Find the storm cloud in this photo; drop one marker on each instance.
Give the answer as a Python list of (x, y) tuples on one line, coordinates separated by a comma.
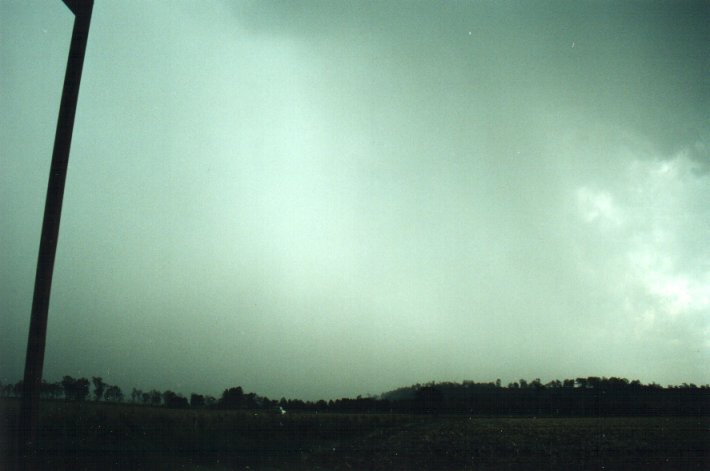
[(318, 199)]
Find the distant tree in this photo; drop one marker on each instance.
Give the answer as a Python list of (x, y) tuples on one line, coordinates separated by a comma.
[(168, 396), (295, 404), (232, 398), (174, 401), (594, 382), (145, 397), (114, 394), (179, 402), (155, 397), (99, 388), (197, 401), (75, 389), (267, 403), (69, 386), (617, 383), (523, 384), (251, 401)]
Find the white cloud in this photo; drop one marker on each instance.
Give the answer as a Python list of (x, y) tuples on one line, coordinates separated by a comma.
[(641, 224), (598, 207), (667, 267)]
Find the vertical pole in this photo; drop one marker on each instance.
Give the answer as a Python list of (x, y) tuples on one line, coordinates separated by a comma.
[(29, 409)]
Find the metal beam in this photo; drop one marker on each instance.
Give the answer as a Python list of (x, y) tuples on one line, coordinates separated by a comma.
[(34, 361)]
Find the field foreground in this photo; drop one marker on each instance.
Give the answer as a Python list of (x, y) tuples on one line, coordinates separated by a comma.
[(88, 436)]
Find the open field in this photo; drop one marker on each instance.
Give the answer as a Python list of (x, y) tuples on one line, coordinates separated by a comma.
[(105, 436)]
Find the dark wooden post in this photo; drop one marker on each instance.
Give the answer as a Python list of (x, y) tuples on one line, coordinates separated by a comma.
[(34, 361)]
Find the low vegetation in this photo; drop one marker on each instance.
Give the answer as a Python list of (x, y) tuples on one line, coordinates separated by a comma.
[(88, 435)]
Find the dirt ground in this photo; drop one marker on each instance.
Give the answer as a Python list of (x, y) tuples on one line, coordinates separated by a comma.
[(96, 437)]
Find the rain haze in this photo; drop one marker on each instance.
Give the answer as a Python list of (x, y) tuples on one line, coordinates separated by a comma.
[(324, 199)]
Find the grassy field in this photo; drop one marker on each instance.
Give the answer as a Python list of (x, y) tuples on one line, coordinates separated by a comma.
[(77, 436)]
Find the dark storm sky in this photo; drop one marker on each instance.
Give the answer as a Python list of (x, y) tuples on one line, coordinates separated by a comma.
[(318, 199)]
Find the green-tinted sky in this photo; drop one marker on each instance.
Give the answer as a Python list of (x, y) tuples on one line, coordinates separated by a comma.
[(319, 199)]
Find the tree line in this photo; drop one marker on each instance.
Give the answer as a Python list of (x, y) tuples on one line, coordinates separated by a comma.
[(70, 389), (588, 396)]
